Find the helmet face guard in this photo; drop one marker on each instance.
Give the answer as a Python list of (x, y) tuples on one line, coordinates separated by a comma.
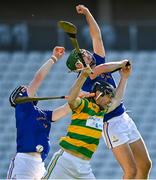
[(105, 88), (75, 57), (93, 60)]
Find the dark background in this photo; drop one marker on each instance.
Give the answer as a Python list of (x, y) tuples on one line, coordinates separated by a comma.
[(125, 25)]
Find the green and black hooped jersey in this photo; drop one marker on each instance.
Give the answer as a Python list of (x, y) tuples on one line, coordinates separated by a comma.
[(85, 130)]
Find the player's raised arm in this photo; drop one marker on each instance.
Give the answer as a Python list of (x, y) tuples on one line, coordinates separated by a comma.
[(43, 71), (97, 43), (94, 29), (73, 99), (61, 112), (108, 67), (120, 91)]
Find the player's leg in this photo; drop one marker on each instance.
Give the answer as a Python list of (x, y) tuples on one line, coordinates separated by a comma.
[(25, 165), (59, 171), (54, 169), (139, 150), (72, 167), (125, 158), (59, 167), (142, 159), (66, 166), (116, 136)]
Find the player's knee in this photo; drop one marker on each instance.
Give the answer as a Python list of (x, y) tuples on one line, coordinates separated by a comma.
[(143, 170), (130, 172), (146, 166)]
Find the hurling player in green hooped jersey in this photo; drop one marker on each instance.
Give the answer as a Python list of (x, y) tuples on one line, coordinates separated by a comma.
[(119, 131), (85, 130)]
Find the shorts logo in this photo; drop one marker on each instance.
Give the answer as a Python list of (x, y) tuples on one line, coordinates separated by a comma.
[(114, 139)]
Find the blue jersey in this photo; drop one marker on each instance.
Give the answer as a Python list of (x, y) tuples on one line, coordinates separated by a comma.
[(33, 127), (107, 77)]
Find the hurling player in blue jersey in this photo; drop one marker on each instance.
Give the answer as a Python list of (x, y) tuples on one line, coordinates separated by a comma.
[(119, 132), (33, 126)]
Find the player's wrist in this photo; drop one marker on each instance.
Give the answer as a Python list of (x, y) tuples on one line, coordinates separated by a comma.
[(87, 12), (53, 59), (84, 74), (124, 78)]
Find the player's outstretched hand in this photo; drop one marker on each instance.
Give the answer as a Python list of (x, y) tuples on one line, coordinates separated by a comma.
[(58, 52), (81, 9)]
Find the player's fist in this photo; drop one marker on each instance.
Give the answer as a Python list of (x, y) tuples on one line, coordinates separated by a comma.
[(81, 9), (87, 71), (125, 62), (126, 71), (58, 51)]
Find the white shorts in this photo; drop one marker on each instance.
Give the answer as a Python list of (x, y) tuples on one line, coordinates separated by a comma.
[(25, 166), (120, 130), (66, 166)]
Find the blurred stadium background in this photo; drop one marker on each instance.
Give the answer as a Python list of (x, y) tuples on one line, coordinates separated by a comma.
[(28, 32)]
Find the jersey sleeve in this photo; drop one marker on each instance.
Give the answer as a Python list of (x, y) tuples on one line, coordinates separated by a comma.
[(99, 59), (81, 107)]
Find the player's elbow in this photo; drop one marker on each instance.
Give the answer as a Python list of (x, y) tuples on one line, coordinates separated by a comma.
[(71, 101), (96, 34)]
